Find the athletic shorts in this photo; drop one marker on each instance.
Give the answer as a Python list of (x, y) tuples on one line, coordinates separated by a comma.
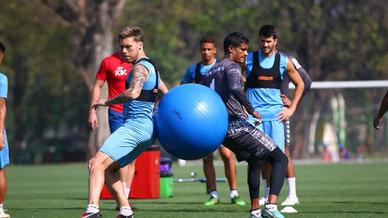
[(273, 129), (129, 141), (4, 153), (246, 140), (116, 119), (287, 132)]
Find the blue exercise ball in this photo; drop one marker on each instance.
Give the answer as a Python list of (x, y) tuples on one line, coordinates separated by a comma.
[(191, 121)]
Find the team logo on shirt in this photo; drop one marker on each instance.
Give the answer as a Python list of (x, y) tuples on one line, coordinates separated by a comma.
[(265, 78), (120, 71)]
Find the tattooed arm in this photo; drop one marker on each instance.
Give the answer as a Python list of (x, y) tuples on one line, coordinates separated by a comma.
[(140, 75)]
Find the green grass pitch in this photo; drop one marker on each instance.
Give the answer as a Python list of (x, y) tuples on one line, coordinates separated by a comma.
[(324, 190)]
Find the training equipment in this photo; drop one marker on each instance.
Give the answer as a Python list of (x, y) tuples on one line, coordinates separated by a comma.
[(289, 209), (290, 202), (191, 121), (193, 178)]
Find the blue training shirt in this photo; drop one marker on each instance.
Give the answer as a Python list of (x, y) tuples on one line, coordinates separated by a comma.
[(3, 86), (266, 101), (190, 72), (140, 110)]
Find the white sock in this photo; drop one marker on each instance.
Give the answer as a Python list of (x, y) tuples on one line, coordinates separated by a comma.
[(92, 208), (291, 187), (233, 193), (214, 194), (271, 207), (1, 208), (256, 213), (126, 211)]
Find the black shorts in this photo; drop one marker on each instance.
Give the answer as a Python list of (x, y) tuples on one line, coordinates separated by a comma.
[(287, 132), (245, 140)]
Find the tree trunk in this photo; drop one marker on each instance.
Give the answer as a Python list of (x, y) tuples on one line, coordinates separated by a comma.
[(93, 23)]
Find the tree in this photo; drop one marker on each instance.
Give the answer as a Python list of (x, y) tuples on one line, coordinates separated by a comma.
[(92, 24)]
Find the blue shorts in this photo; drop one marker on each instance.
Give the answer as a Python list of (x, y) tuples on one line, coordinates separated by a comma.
[(273, 129), (116, 119), (129, 141), (4, 154)]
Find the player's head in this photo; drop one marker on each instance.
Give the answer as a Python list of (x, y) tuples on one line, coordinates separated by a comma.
[(208, 48), (267, 39), (131, 43), (2, 50), (236, 47)]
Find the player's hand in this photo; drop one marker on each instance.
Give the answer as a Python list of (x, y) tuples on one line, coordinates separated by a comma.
[(93, 121), (258, 118), (286, 101), (285, 114), (100, 102), (377, 122)]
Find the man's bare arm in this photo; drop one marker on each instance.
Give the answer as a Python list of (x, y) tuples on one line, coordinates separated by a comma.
[(140, 75)]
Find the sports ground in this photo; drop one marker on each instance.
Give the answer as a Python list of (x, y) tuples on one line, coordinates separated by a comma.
[(350, 189)]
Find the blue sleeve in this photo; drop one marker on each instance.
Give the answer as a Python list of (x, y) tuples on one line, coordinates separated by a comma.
[(3, 86), (283, 65), (189, 74), (249, 63)]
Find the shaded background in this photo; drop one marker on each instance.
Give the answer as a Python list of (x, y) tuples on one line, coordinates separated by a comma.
[(54, 49)]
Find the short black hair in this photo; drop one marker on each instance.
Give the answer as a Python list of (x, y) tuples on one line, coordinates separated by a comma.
[(2, 47), (207, 39), (234, 39), (268, 31)]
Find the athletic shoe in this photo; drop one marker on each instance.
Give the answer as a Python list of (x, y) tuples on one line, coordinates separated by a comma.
[(290, 201), (91, 215), (271, 214), (255, 214), (289, 209), (134, 209), (212, 201), (237, 201), (4, 215)]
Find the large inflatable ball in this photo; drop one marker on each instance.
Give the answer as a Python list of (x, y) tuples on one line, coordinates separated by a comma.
[(191, 121)]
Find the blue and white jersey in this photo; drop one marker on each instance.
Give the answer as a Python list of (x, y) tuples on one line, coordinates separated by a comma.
[(3, 86), (266, 101), (4, 154), (137, 110), (189, 76)]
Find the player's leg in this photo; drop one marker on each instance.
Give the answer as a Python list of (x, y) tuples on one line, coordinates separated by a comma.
[(230, 173), (276, 159), (115, 121), (97, 166), (292, 198), (254, 186), (3, 190), (210, 174), (4, 161), (250, 144), (279, 162), (131, 175)]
